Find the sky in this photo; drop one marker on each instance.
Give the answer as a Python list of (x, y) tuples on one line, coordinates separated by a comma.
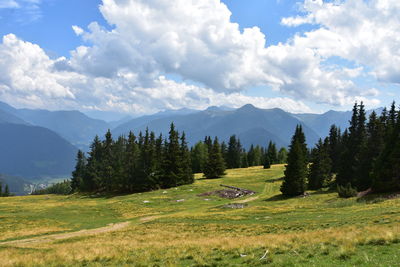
[(143, 56)]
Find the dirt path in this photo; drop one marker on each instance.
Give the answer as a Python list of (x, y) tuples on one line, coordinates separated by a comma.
[(50, 238)]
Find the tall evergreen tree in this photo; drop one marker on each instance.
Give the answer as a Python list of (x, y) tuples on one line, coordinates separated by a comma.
[(267, 163), (79, 173), (199, 154), (234, 153), (282, 155), (353, 145), (187, 172), (335, 147), (372, 150), (294, 182), (215, 166), (320, 170), (386, 175), (6, 191), (272, 153), (172, 160)]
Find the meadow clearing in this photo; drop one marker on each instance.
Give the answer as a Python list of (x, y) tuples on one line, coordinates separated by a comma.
[(176, 227)]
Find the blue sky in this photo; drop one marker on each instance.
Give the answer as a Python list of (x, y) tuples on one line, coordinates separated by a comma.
[(308, 63)]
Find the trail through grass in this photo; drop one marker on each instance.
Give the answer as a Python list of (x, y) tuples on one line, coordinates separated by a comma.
[(176, 227)]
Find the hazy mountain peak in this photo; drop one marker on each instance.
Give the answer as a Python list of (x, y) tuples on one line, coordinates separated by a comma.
[(247, 107)]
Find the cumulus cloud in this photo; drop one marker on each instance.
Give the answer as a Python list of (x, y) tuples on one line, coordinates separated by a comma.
[(364, 32), (125, 68), (9, 4), (197, 41), (26, 72), (28, 77)]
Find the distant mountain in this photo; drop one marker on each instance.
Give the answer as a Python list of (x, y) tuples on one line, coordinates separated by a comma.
[(6, 117), (17, 185), (321, 123), (31, 151), (74, 126), (251, 124)]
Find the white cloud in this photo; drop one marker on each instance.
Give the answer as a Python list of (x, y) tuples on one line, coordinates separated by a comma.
[(125, 68), (28, 77), (26, 71), (78, 30), (364, 32), (197, 41), (9, 4)]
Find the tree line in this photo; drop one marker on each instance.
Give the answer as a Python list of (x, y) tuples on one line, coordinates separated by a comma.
[(366, 156), (143, 163), (6, 192)]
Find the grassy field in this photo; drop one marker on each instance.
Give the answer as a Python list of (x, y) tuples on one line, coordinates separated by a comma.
[(175, 227)]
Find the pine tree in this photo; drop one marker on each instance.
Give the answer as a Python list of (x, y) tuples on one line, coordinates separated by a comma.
[(172, 166), (91, 180), (199, 154), (272, 152), (282, 155), (267, 163), (386, 175), (1, 190), (187, 172), (294, 182), (131, 163), (234, 153), (244, 163), (251, 156), (335, 147), (79, 173), (374, 147), (350, 164), (320, 170), (215, 166), (106, 169), (6, 191)]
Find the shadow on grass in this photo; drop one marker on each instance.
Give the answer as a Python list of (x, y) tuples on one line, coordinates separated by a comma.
[(104, 195), (323, 191), (278, 198), (274, 180), (378, 197)]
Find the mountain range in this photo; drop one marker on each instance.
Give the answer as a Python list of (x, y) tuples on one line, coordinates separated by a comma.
[(41, 143)]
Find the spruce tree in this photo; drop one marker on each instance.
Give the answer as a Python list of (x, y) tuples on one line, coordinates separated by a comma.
[(172, 159), (372, 150), (91, 180), (1, 190), (79, 173), (320, 170), (294, 182), (272, 153), (244, 163), (187, 172), (335, 147), (131, 163), (386, 175), (215, 166), (199, 154), (267, 163), (234, 153), (282, 155), (350, 164), (6, 191)]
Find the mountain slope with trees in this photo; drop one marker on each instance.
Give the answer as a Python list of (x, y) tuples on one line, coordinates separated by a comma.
[(30, 151)]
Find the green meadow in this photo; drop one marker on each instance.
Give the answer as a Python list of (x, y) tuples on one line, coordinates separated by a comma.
[(176, 227)]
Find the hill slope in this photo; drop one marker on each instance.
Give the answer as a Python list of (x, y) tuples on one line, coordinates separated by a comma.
[(30, 151), (181, 227), (74, 126)]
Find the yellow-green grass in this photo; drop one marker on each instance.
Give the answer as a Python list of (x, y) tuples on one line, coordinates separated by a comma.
[(319, 230)]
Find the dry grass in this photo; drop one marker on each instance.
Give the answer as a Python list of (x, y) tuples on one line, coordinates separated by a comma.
[(320, 230)]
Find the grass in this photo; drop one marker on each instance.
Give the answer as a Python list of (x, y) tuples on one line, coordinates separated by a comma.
[(319, 230)]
